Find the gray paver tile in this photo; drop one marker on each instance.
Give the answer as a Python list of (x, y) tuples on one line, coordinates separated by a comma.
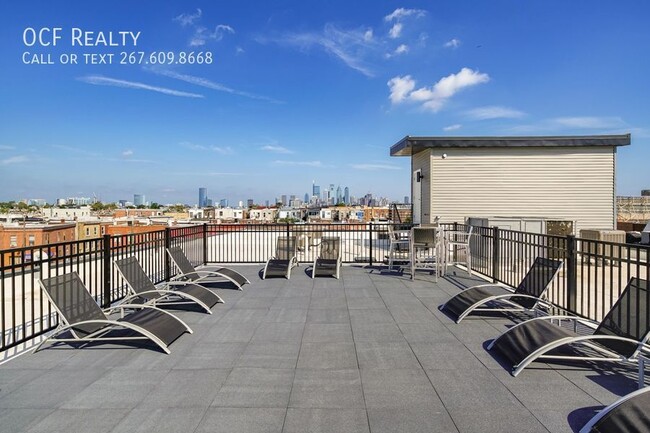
[(411, 420), (242, 420), (327, 356), (255, 387), (385, 355), (186, 388), (326, 421), (327, 389), (270, 355), (167, 420)]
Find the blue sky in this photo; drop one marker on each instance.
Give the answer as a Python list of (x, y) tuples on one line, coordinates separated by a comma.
[(301, 91)]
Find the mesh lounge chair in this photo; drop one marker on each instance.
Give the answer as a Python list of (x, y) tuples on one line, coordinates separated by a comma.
[(629, 414), (328, 261), (202, 276), (284, 260), (174, 293), (620, 337), (525, 297), (86, 321)]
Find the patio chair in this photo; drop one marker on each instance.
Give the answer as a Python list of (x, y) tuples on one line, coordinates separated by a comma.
[(284, 260), (173, 293), (620, 337), (86, 321), (426, 248), (398, 245), (328, 261), (189, 273), (525, 297), (629, 414), (459, 242)]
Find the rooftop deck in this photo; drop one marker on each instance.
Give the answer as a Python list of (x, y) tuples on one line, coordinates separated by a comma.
[(367, 353)]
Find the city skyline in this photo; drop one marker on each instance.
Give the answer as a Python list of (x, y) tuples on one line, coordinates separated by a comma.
[(300, 91)]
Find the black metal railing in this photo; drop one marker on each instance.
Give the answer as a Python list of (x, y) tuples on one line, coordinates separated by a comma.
[(592, 278)]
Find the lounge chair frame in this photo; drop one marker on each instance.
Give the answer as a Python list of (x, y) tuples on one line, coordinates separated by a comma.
[(638, 355), (161, 296), (319, 260), (291, 256), (201, 276), (505, 298), (609, 409), (64, 325)]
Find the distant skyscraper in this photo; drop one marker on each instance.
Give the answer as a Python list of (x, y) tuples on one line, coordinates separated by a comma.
[(223, 202), (306, 197), (315, 190), (406, 199), (138, 199), (346, 196), (266, 203), (284, 200), (203, 197), (208, 202), (332, 197), (339, 195), (249, 202)]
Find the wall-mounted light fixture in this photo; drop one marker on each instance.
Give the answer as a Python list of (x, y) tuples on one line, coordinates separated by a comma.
[(419, 176), (444, 156)]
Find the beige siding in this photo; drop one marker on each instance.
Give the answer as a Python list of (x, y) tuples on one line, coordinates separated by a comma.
[(574, 183)]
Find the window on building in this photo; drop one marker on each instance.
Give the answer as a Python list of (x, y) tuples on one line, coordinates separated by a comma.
[(87, 231), (32, 240), (13, 241)]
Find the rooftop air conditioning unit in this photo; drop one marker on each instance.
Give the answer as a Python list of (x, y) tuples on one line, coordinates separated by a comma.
[(598, 245)]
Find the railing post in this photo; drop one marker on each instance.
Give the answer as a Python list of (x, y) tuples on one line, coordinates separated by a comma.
[(205, 243), (168, 244), (455, 255), (571, 274), (106, 278), (371, 252), (496, 254)]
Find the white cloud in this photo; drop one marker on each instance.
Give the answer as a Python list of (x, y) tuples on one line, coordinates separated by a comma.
[(239, 50), (374, 167), (400, 13), (127, 153), (13, 160), (275, 149), (204, 82), (400, 87), (402, 49), (368, 35), (222, 150), (395, 31), (611, 124), (589, 122), (454, 127), (349, 46), (202, 34), (193, 146), (3, 147), (454, 43), (435, 97), (99, 80), (187, 19), (299, 163), (494, 112)]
